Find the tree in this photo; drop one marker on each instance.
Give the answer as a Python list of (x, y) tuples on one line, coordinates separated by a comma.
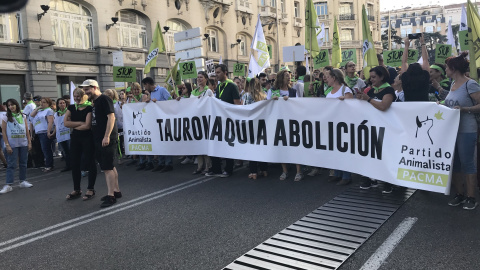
[(393, 36), (455, 29), (430, 40)]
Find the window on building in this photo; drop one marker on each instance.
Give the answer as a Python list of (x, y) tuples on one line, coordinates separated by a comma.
[(439, 19), (449, 18), (296, 6), (417, 22), (418, 30), (346, 34), (10, 28), (12, 86), (262, 2), (282, 6), (429, 29), (212, 40), (346, 8), (273, 3), (439, 28), (369, 10), (403, 33), (321, 8), (242, 48), (131, 30), (71, 25), (174, 27), (327, 35)]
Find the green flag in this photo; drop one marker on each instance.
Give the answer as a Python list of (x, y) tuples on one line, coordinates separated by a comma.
[(311, 44), (158, 46), (473, 22), (336, 50), (369, 55)]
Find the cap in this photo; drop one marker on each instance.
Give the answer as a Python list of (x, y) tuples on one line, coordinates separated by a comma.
[(89, 82), (285, 68), (27, 95), (37, 98)]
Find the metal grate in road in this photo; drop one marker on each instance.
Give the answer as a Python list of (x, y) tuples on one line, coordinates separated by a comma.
[(325, 238)]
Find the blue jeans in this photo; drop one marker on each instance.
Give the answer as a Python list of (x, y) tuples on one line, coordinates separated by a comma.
[(345, 175), (145, 159), (20, 153), (165, 160), (464, 157), (46, 144)]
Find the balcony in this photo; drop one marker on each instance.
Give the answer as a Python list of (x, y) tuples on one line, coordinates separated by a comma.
[(346, 17), (323, 17), (285, 18), (298, 22), (244, 3), (268, 11), (351, 43), (371, 18)]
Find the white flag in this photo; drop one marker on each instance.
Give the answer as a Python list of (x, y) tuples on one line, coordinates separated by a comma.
[(321, 34), (220, 61), (253, 67), (307, 64), (420, 61), (72, 88), (451, 39), (463, 20), (259, 43)]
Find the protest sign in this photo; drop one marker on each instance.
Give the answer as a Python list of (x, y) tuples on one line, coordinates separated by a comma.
[(349, 55), (210, 67), (188, 70), (321, 60), (442, 52), (124, 74), (239, 69), (463, 40), (393, 58), (405, 145)]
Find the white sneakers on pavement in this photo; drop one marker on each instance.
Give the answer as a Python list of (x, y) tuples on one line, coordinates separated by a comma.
[(25, 184), (6, 189)]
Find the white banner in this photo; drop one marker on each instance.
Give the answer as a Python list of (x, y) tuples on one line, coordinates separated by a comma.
[(411, 144)]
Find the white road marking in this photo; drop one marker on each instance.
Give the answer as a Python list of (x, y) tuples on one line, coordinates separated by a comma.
[(100, 214), (382, 253)]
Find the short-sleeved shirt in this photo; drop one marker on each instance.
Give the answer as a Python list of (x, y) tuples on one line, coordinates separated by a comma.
[(341, 92), (29, 109), (102, 107), (160, 94), (40, 121), (379, 96), (79, 116), (461, 97), (227, 92)]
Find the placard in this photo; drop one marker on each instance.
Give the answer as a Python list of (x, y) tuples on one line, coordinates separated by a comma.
[(463, 40), (349, 55), (442, 52), (293, 53), (188, 70), (210, 67), (239, 69), (393, 58), (321, 60), (124, 74)]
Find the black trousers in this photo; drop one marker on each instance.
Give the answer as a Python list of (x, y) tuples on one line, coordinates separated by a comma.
[(255, 165), (37, 153), (83, 146), (217, 165)]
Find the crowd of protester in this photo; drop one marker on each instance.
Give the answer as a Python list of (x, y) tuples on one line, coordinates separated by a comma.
[(43, 122)]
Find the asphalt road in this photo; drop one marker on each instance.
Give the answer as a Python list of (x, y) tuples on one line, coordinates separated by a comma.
[(179, 221)]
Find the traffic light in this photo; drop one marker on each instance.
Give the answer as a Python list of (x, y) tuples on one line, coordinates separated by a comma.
[(7, 6)]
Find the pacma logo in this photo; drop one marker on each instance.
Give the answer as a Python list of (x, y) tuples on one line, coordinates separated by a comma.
[(424, 126)]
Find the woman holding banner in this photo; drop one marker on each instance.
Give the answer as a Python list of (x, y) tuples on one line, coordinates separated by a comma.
[(351, 78), (340, 91), (202, 80), (380, 96), (78, 117), (464, 95)]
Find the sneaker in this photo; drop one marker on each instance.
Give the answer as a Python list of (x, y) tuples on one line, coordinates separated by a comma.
[(117, 195), (181, 157), (283, 176), (149, 167), (344, 182), (109, 201), (84, 173), (387, 188), (314, 172), (212, 174), (167, 169), (141, 167), (25, 184), (331, 173), (6, 189), (459, 199), (195, 161), (187, 160), (373, 183), (366, 184), (158, 168), (470, 204), (224, 175), (298, 177)]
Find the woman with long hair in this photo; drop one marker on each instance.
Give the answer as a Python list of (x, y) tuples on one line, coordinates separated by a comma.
[(43, 126), (255, 93), (79, 117), (17, 144), (62, 133), (464, 96), (202, 81)]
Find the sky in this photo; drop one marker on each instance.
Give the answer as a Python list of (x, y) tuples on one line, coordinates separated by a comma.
[(392, 4)]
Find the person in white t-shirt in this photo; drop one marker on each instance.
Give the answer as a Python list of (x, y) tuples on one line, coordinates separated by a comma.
[(340, 90)]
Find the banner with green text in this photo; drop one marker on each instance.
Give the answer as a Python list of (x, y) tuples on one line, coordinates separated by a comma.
[(405, 145), (393, 58)]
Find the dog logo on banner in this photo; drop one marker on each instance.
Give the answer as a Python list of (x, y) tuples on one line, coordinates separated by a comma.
[(138, 117), (423, 127)]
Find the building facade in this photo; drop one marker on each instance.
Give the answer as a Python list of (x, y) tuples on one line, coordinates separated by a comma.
[(74, 40)]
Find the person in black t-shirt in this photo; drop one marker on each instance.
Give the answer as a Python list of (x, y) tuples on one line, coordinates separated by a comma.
[(381, 96), (105, 136)]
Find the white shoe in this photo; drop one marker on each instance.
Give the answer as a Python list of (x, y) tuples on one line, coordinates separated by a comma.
[(25, 184), (186, 161), (195, 161), (5, 189), (314, 172)]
